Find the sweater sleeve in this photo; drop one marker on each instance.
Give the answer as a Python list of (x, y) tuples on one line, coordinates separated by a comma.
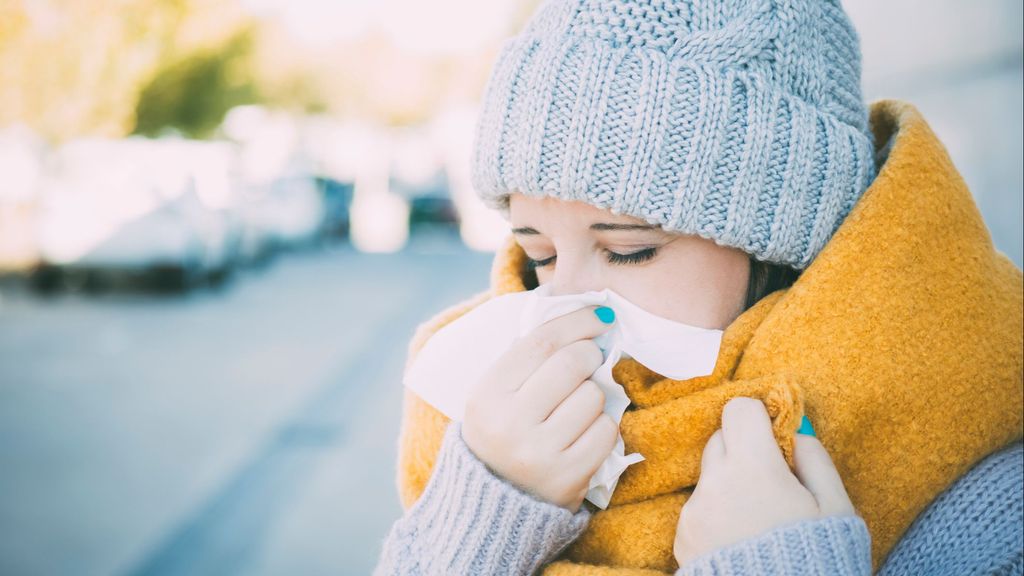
[(469, 521), (838, 546), (974, 527)]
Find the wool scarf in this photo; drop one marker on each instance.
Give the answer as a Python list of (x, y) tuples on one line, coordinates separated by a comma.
[(901, 341)]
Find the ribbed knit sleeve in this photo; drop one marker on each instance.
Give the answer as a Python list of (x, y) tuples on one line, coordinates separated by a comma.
[(837, 546), (974, 527), (469, 521)]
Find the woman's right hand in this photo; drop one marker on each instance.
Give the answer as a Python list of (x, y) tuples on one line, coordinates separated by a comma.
[(536, 420)]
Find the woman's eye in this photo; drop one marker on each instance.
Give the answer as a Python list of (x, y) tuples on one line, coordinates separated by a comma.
[(532, 264), (613, 257), (633, 257)]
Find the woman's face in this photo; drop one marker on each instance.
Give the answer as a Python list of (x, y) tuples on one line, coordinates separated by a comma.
[(577, 247)]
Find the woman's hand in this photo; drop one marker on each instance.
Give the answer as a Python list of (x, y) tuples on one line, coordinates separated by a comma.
[(746, 487), (536, 420)]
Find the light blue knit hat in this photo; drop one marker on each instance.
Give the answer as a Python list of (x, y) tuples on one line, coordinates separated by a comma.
[(741, 121)]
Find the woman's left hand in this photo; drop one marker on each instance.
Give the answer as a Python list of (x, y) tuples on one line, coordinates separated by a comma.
[(746, 488)]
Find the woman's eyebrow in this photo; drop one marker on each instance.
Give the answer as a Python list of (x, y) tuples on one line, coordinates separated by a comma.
[(525, 230), (600, 226), (611, 226)]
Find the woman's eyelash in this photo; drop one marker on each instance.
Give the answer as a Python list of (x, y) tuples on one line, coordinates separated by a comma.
[(613, 258), (633, 257), (531, 263)]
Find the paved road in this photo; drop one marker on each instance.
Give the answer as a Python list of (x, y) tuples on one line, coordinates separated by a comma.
[(250, 431)]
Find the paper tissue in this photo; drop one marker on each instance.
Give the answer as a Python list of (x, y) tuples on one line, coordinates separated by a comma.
[(476, 340)]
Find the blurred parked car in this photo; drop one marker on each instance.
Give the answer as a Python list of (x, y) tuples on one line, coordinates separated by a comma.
[(417, 173), (135, 210), (21, 155), (337, 198), (285, 213), (284, 205), (430, 200)]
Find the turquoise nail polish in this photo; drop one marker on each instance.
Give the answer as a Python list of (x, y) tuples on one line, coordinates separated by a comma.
[(606, 314), (806, 428)]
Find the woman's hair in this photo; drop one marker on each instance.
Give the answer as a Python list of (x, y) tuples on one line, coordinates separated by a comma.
[(767, 277)]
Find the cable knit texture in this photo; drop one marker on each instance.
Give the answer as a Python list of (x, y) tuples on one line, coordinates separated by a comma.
[(469, 521), (741, 121)]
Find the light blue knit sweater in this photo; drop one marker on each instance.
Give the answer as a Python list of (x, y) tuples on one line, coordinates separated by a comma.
[(469, 521)]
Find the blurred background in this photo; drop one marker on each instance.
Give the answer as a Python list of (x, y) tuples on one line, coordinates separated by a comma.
[(220, 221)]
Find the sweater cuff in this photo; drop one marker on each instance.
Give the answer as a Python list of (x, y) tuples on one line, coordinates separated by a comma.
[(470, 521), (838, 545)]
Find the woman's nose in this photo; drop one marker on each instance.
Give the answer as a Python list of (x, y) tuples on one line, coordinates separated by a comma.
[(573, 277)]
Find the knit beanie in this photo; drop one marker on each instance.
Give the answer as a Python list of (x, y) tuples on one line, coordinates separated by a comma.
[(741, 121)]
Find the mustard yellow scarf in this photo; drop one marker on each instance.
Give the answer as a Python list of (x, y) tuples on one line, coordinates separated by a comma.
[(902, 342)]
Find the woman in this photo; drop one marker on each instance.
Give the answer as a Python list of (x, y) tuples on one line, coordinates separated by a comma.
[(715, 164)]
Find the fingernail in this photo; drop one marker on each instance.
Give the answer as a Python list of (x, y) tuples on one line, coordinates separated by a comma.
[(605, 314), (806, 428)]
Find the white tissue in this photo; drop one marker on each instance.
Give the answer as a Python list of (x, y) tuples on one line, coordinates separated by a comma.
[(456, 357)]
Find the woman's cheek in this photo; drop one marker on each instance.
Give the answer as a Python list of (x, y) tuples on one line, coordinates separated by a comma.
[(543, 275), (646, 286), (659, 293)]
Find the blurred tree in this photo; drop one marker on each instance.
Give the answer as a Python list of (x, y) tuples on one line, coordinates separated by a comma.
[(71, 68), (191, 95)]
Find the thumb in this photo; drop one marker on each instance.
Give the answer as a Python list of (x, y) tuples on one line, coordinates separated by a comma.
[(815, 470)]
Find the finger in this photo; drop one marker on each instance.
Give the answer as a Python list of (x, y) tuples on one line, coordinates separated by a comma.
[(558, 377), (815, 470), (714, 453), (527, 353), (594, 445), (747, 430), (574, 415)]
